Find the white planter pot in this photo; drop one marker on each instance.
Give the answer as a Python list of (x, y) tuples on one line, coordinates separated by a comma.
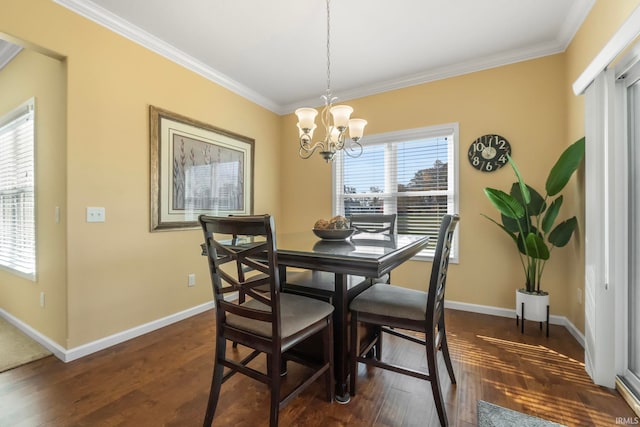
[(535, 305)]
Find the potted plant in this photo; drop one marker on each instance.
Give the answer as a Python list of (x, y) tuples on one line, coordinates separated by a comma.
[(529, 218)]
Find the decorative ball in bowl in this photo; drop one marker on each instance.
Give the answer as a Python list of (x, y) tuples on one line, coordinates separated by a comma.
[(333, 234), (337, 228)]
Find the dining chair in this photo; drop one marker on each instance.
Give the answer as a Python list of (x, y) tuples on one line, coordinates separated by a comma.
[(387, 306), (272, 323), (373, 223)]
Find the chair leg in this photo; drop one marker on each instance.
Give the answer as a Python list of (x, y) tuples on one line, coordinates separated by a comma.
[(432, 363), (216, 381), (447, 359), (354, 353), (378, 344), (327, 342), (274, 373)]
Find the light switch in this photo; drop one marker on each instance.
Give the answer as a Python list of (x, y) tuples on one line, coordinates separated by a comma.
[(95, 215)]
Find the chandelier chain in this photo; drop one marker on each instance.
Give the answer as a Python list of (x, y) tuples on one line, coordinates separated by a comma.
[(335, 120), (328, 52)]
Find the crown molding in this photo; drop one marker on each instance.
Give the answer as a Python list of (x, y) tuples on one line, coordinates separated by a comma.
[(625, 35), (126, 29), (468, 67), (576, 17), (107, 19), (8, 51)]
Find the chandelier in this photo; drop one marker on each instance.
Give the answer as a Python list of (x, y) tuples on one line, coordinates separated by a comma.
[(335, 121)]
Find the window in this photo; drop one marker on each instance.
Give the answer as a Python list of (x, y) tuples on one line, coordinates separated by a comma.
[(410, 173), (17, 199)]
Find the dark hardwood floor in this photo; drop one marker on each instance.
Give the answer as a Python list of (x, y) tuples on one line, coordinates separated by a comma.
[(162, 379)]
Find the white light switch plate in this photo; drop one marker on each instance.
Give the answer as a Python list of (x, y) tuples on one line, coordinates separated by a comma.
[(95, 215)]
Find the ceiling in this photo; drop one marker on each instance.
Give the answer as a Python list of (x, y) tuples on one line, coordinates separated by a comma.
[(274, 52)]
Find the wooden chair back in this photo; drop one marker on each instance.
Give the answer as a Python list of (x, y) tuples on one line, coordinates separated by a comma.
[(374, 223), (440, 266), (244, 241)]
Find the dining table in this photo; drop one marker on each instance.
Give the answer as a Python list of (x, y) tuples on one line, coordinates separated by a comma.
[(337, 271)]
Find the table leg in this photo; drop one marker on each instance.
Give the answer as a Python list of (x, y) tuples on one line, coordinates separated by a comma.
[(282, 272), (341, 338)]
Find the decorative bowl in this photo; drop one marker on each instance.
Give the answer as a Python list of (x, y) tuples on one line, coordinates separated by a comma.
[(333, 234)]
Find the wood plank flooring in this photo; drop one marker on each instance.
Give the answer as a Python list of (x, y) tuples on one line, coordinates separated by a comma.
[(162, 379)]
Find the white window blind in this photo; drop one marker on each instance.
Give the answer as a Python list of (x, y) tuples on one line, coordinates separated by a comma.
[(17, 198), (411, 173)]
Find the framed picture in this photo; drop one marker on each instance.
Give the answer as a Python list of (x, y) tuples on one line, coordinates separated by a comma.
[(196, 169)]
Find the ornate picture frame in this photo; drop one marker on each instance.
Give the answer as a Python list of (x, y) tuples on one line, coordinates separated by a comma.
[(196, 168)]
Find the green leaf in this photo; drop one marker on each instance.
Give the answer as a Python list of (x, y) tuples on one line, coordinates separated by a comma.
[(552, 213), (536, 247), (521, 244), (516, 225), (536, 203), (524, 190), (561, 235), (512, 235), (506, 204), (566, 165)]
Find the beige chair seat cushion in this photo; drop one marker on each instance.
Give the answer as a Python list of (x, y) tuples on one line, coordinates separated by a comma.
[(382, 279), (296, 313), (392, 301)]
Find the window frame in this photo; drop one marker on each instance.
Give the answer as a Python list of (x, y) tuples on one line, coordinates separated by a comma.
[(26, 108), (407, 135)]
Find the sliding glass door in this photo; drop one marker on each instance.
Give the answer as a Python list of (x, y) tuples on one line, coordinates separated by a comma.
[(632, 374)]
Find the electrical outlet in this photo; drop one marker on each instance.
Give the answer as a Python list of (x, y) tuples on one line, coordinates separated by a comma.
[(42, 299), (579, 296), (191, 281), (95, 215)]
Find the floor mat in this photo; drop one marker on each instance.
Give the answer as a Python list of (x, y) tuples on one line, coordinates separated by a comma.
[(16, 348)]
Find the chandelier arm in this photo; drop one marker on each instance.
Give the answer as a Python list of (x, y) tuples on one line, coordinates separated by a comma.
[(349, 149), (307, 147), (305, 154)]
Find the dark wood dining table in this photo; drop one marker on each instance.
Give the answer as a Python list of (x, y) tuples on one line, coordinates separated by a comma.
[(337, 271)]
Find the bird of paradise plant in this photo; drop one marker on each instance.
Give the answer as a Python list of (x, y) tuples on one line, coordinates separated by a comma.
[(528, 218)]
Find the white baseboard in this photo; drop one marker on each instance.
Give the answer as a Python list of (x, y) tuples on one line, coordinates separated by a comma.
[(505, 312), (68, 355), (43, 340), (106, 342)]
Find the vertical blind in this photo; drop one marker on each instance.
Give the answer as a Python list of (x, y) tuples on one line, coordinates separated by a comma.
[(413, 179), (17, 199)]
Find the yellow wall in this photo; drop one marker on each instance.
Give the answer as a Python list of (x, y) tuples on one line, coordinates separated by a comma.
[(601, 24), (32, 74), (118, 275), (529, 103), (524, 103)]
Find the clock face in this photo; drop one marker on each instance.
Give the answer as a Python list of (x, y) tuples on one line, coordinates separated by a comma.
[(489, 153)]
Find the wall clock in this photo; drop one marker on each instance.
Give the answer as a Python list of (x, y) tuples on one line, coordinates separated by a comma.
[(489, 152)]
